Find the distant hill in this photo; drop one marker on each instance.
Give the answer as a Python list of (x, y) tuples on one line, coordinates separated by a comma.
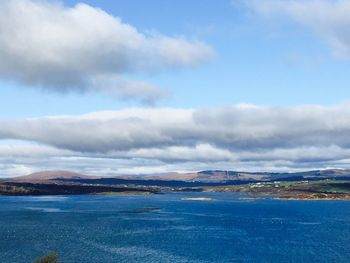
[(50, 175), (209, 177), (218, 175)]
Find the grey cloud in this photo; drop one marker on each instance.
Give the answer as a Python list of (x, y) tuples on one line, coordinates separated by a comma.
[(241, 136), (45, 44), (241, 127), (123, 89)]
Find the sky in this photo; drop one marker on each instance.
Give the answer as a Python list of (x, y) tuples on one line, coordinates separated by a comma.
[(154, 86)]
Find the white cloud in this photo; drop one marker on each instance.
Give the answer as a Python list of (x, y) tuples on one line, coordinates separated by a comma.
[(328, 18), (26, 150), (199, 153), (48, 45), (14, 170), (241, 137)]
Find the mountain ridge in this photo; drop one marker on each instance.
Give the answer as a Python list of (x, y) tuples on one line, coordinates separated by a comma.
[(205, 176)]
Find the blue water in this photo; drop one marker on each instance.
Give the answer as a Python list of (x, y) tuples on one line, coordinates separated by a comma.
[(120, 229)]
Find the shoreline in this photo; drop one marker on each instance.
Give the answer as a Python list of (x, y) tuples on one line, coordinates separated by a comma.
[(321, 190)]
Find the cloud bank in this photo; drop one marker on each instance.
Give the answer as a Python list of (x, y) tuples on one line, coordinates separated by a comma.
[(48, 45), (327, 18), (243, 136)]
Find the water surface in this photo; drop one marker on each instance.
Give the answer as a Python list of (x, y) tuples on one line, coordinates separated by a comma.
[(162, 228)]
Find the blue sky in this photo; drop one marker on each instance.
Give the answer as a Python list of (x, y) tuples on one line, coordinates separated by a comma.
[(256, 61), (161, 85)]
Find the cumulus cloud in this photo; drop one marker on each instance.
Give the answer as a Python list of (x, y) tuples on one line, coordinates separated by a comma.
[(46, 44), (328, 18), (243, 136)]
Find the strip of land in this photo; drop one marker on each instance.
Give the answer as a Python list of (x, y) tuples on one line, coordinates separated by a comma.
[(313, 185), (304, 190), (53, 188)]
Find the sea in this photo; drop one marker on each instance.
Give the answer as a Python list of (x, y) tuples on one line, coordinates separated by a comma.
[(165, 228)]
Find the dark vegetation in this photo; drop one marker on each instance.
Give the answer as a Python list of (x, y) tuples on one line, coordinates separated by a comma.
[(17, 188), (160, 183), (50, 258), (174, 183)]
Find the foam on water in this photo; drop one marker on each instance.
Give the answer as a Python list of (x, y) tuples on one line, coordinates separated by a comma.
[(46, 198), (45, 209)]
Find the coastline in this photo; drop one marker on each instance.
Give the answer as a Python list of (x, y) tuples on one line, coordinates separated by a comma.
[(320, 190)]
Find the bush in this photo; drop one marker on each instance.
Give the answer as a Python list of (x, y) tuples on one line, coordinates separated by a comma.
[(50, 258)]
